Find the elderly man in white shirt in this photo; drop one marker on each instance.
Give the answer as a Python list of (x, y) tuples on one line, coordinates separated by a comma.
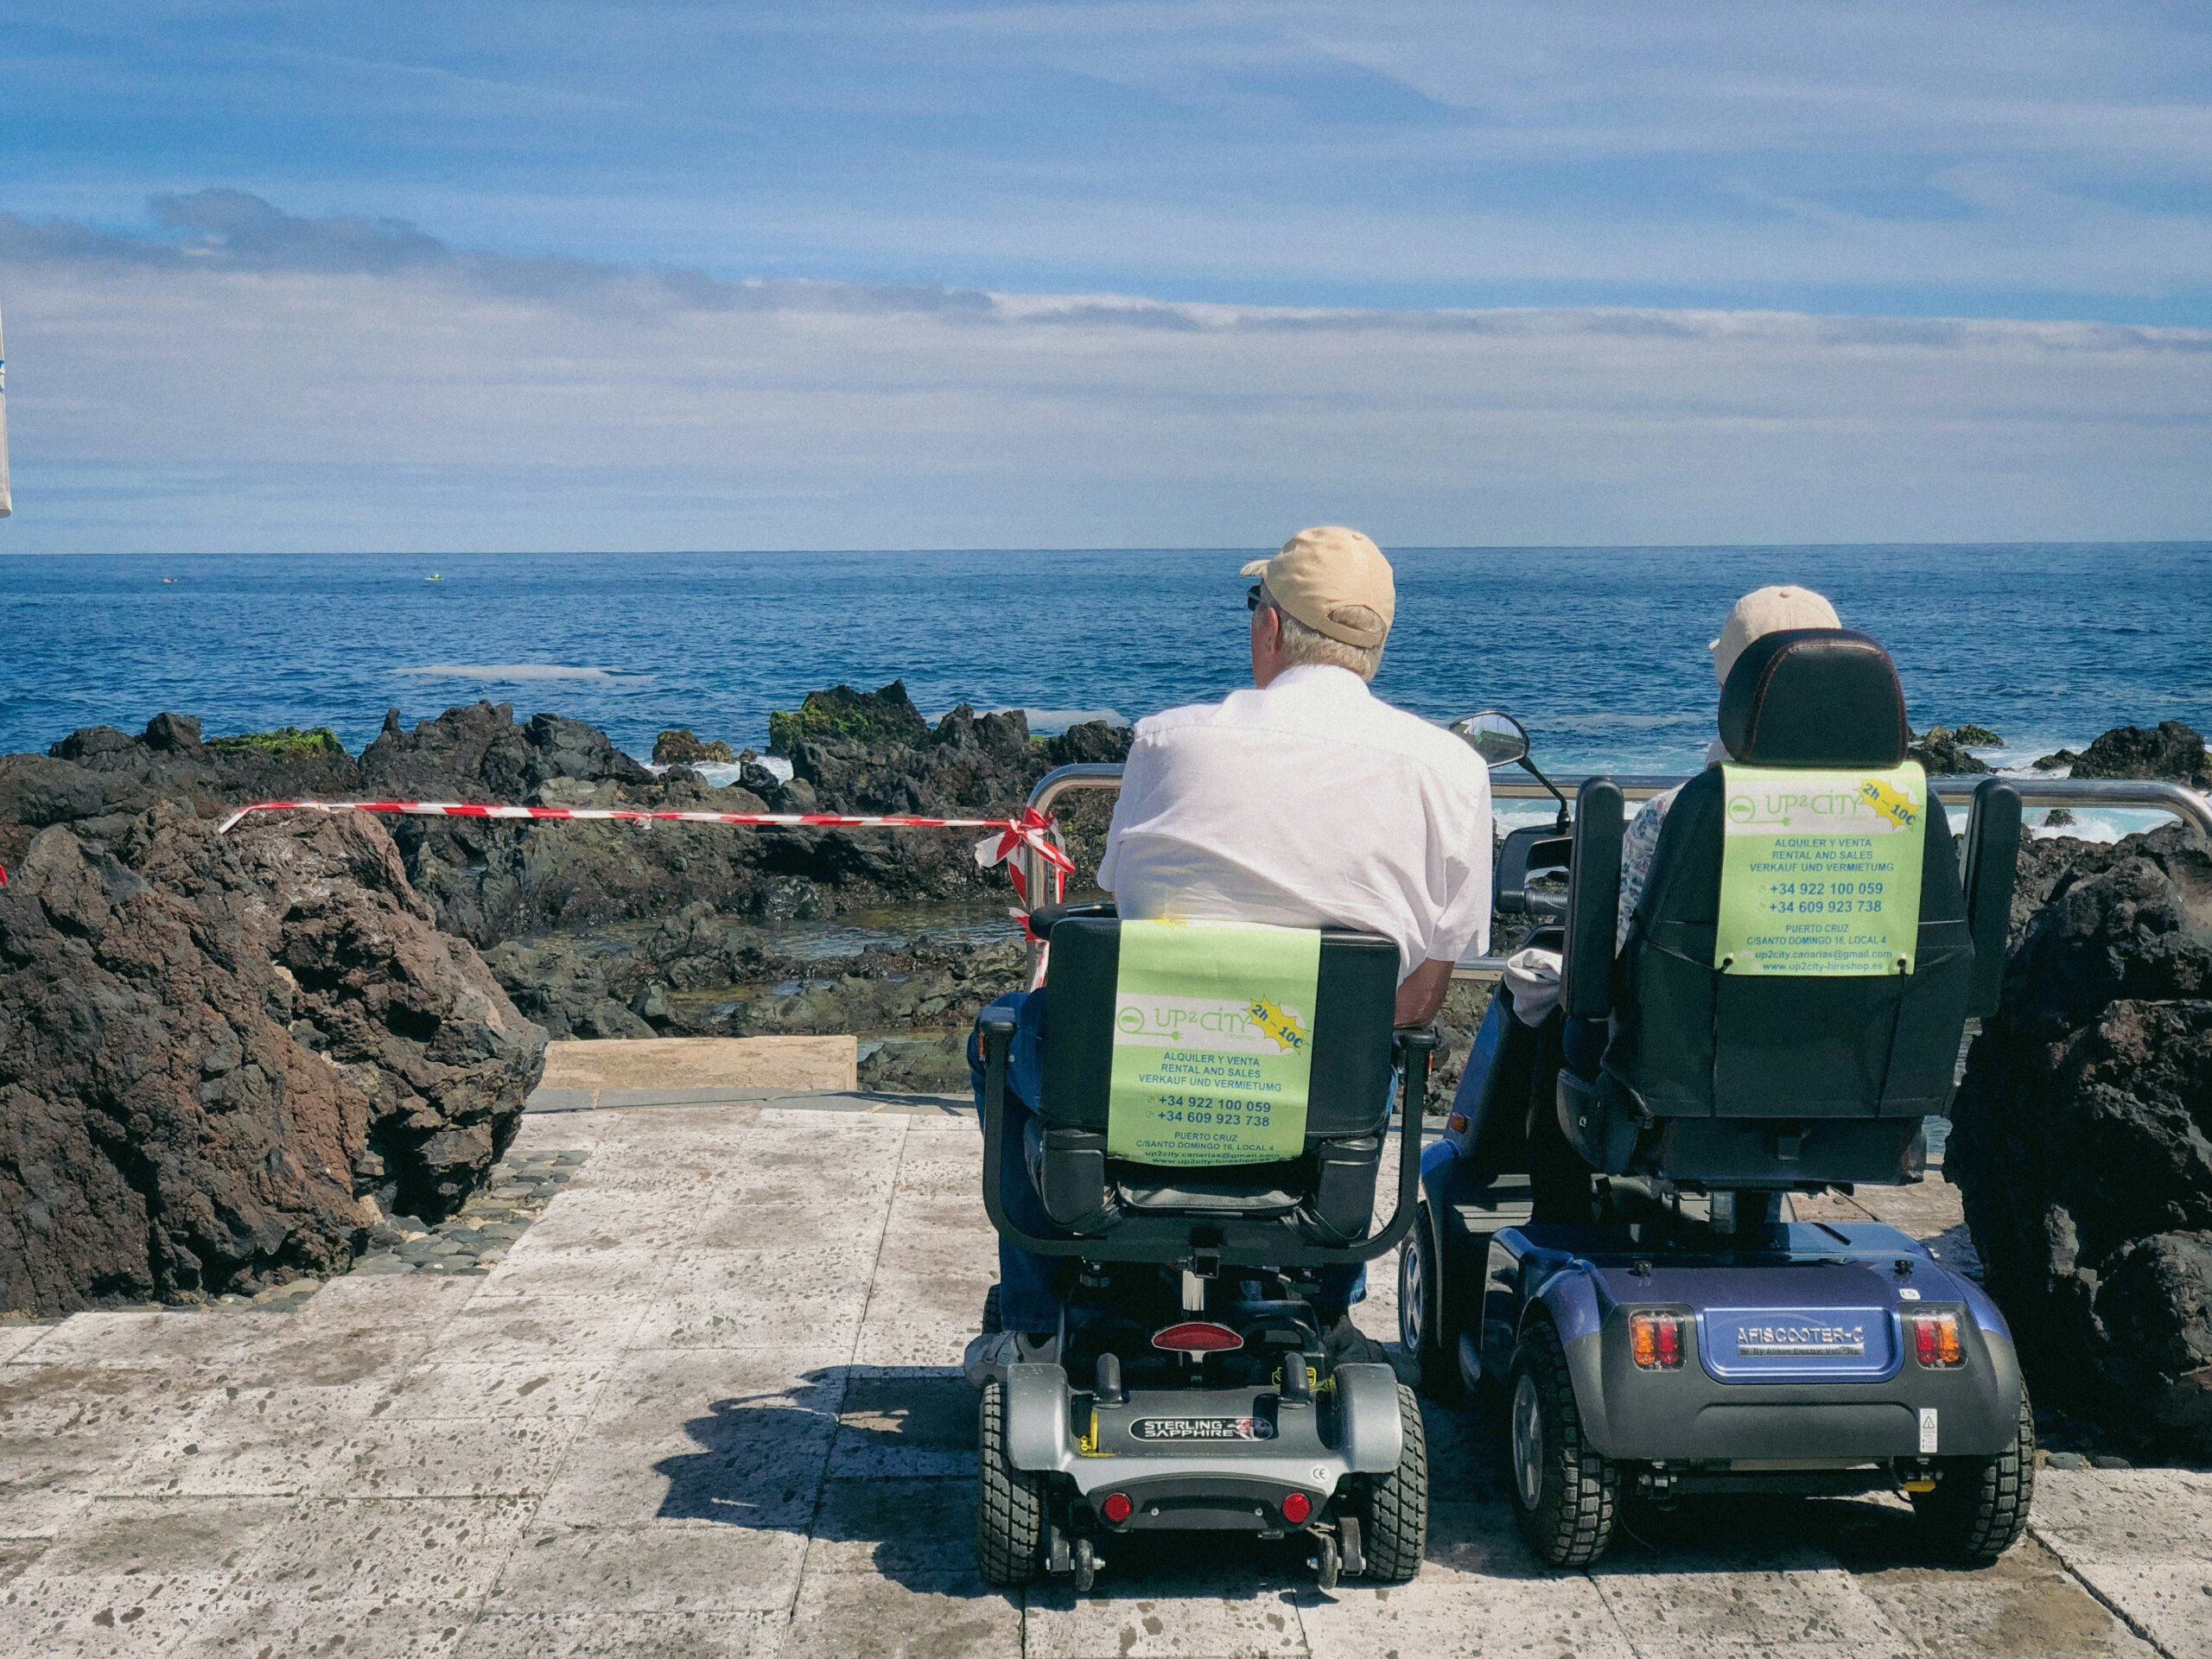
[(1305, 802)]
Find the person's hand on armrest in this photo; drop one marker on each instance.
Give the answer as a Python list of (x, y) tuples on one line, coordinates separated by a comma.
[(1421, 993)]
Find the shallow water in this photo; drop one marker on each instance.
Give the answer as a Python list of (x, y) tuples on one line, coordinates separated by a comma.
[(1601, 650)]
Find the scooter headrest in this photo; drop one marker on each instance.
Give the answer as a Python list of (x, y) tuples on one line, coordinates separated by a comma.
[(1813, 698)]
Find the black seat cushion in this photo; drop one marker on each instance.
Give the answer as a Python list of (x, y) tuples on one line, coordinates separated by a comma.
[(1691, 1041), (1325, 1197)]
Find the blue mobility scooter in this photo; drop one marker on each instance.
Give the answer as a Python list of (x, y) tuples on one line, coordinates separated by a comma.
[(1607, 1233), (1194, 1387)]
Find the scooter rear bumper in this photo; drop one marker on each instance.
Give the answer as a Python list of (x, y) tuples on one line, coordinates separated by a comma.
[(1183, 1443)]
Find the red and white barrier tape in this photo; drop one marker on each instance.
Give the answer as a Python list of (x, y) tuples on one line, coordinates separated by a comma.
[(1032, 830)]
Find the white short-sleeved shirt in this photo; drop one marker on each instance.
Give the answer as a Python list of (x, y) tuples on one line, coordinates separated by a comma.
[(1311, 803)]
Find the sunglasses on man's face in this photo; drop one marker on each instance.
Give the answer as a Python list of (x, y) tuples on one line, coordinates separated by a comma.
[(1252, 599)]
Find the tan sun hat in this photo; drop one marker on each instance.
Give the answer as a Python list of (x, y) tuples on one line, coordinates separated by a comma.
[(1323, 575), (1765, 611)]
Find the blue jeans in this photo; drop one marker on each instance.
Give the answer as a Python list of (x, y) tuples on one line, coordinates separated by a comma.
[(1032, 1287)]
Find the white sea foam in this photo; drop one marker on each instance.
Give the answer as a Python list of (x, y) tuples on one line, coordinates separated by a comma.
[(517, 671), (722, 773)]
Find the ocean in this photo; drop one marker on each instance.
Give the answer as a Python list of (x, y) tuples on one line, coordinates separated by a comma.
[(1600, 650)]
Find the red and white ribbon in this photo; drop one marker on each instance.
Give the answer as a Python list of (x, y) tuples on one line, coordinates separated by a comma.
[(1032, 830)]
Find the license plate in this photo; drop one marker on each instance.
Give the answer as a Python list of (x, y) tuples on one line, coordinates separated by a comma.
[(1800, 1341), (1747, 1344), (1202, 1428)]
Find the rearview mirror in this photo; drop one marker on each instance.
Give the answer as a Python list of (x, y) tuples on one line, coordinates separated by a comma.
[(1495, 735)]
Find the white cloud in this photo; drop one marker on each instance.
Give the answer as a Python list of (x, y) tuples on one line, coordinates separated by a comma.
[(255, 379)]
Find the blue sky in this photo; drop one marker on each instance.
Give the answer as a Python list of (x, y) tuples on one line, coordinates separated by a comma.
[(617, 175)]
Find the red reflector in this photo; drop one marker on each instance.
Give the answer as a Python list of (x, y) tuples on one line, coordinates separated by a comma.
[(1296, 1508), (1655, 1341), (1196, 1337), (1116, 1507), (1936, 1340)]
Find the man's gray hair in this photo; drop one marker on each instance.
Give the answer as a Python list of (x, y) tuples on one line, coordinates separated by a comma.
[(1311, 647)]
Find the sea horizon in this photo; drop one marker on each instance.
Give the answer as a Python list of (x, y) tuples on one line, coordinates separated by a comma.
[(1601, 650)]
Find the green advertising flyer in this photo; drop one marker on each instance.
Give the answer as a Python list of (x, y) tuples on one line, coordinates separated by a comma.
[(1820, 871), (1213, 1042)]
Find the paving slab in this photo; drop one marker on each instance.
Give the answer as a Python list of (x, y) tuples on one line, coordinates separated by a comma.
[(942, 1613), (640, 1064), (708, 1404), (437, 1553)]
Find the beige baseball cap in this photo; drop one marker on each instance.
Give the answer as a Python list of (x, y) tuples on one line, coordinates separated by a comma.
[(1322, 574), (1765, 611)]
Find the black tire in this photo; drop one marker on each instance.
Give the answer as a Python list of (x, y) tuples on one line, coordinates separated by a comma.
[(1567, 1497), (1394, 1507), (992, 1325), (1423, 1333), (1009, 1503), (1979, 1506)]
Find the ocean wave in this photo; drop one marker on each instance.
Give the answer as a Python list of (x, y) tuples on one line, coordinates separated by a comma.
[(518, 671)]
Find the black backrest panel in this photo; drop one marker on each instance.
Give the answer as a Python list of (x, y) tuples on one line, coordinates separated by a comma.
[(1356, 998), (1692, 1042)]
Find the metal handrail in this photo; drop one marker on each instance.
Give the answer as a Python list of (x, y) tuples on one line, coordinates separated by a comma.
[(2148, 794)]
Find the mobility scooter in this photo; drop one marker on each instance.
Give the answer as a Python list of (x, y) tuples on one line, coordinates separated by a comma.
[(1607, 1236), (1211, 1116)]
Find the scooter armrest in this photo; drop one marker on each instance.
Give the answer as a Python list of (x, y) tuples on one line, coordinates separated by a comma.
[(1594, 901)]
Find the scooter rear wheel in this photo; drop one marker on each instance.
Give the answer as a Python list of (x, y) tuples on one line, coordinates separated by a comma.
[(1565, 1496), (1393, 1513), (1009, 1503), (1979, 1507)]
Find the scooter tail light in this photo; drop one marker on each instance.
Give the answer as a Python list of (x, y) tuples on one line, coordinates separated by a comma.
[(1196, 1337), (1655, 1342), (1297, 1508), (1116, 1507), (1935, 1342)]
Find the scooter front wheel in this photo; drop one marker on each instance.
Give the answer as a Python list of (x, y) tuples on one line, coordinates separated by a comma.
[(1566, 1497), (1422, 1334)]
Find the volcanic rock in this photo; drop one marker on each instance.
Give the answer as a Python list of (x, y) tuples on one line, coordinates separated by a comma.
[(2172, 751), (884, 719), (1942, 752), (211, 1048), (680, 748), (2083, 1139)]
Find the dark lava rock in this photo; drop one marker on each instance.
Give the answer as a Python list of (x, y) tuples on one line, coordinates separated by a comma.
[(480, 754), (875, 719), (97, 772), (1943, 752), (2171, 751), (680, 748), (211, 1048), (2083, 1141)]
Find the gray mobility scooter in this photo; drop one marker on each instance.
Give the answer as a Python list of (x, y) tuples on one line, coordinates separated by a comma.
[(1195, 1389), (1607, 1233)]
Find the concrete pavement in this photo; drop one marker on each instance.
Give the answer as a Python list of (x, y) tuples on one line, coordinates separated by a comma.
[(708, 1404)]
